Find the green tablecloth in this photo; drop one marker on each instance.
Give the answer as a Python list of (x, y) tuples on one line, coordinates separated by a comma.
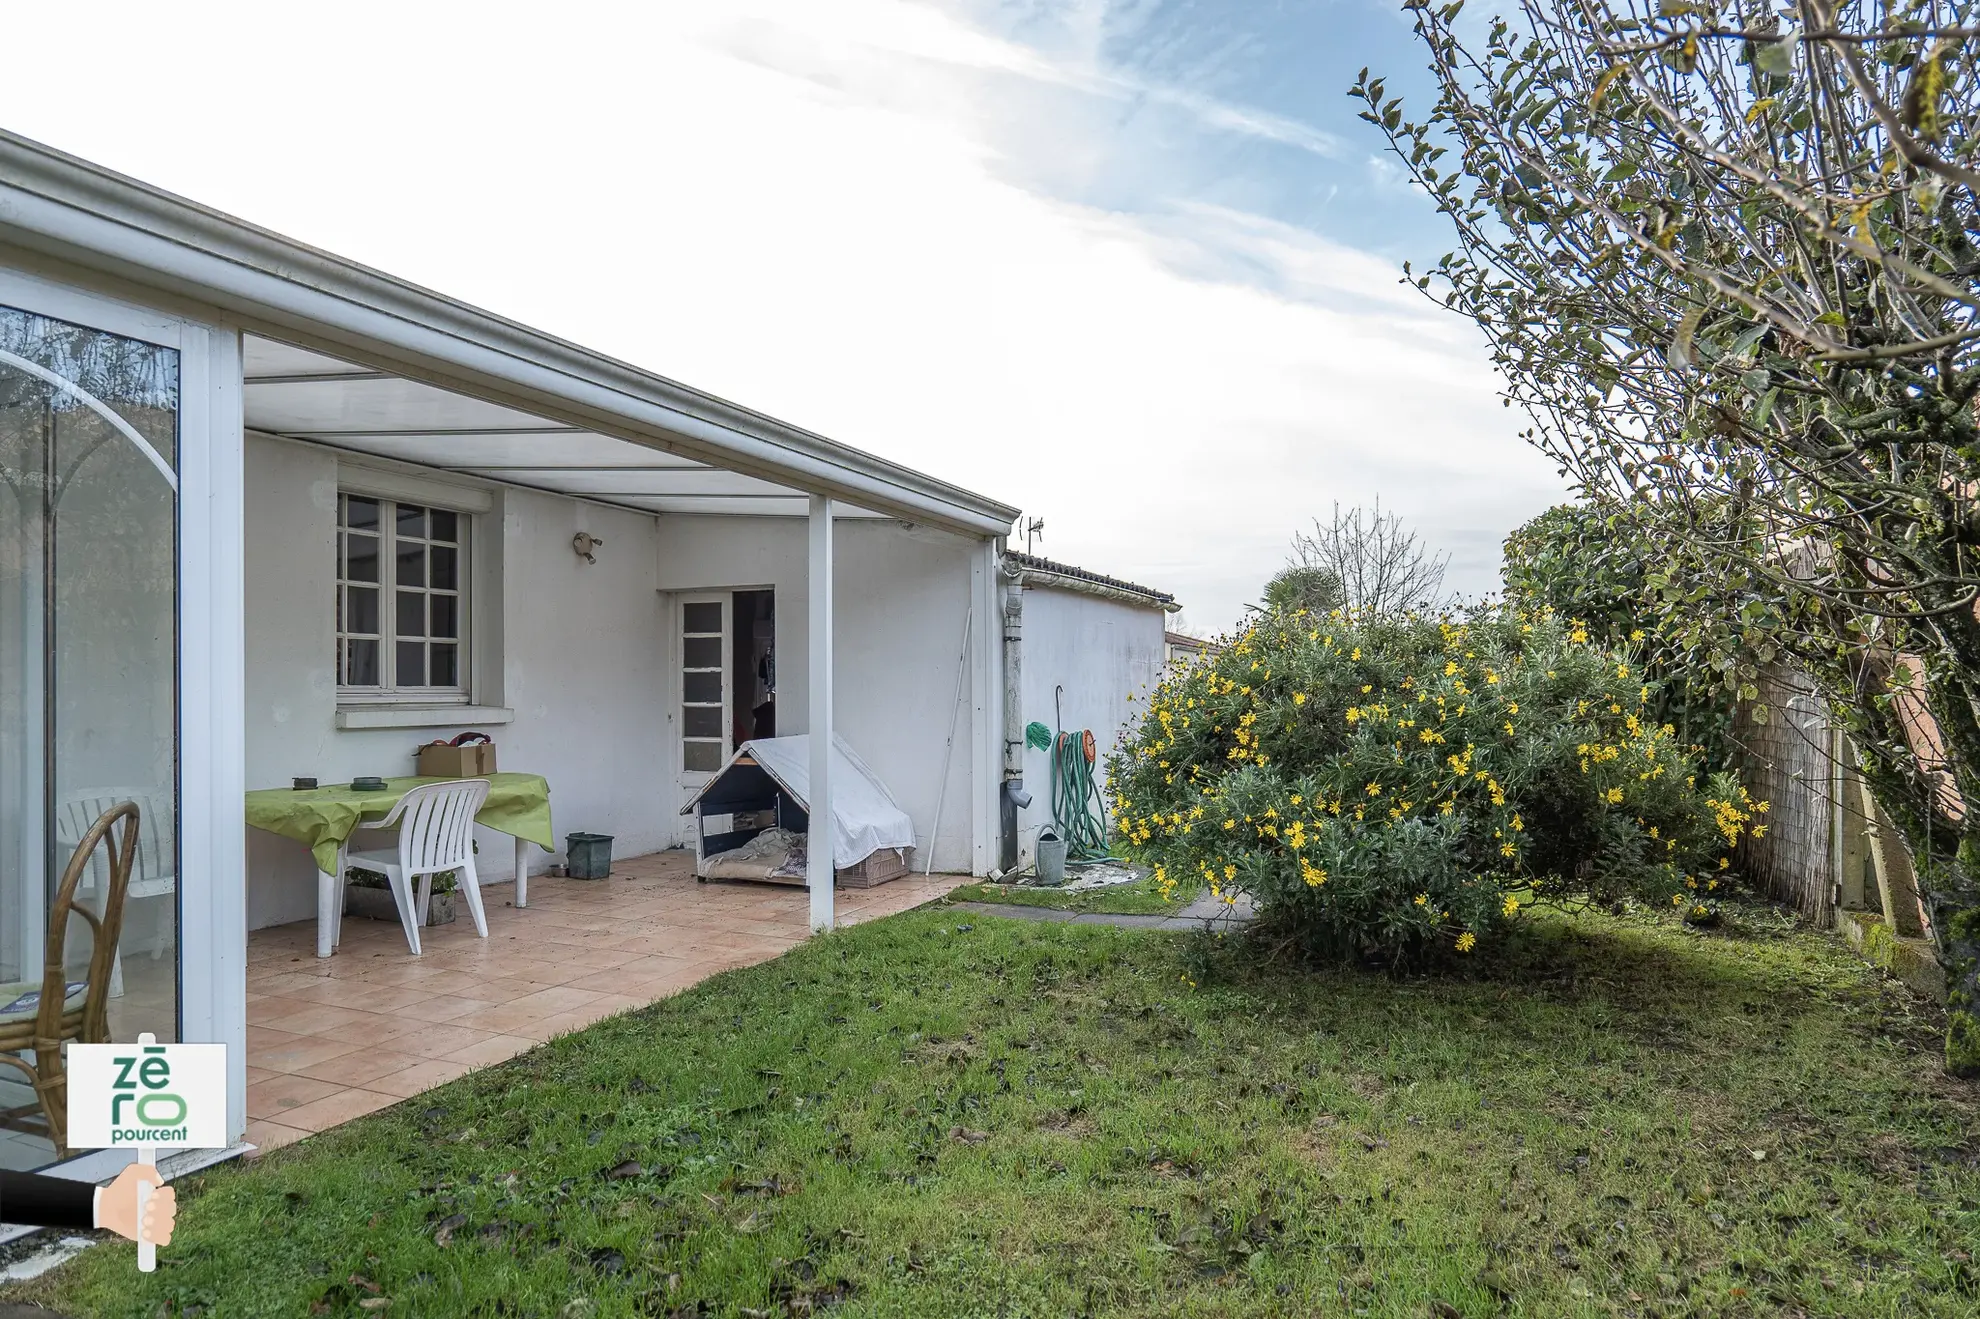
[(322, 819)]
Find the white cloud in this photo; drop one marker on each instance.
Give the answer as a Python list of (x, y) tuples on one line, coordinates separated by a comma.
[(809, 209)]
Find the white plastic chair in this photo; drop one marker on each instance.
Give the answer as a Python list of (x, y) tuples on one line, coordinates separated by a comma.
[(153, 871), (436, 834)]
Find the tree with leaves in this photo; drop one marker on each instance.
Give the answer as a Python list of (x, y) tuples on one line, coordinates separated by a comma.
[(1583, 562), (1301, 586), (1725, 258)]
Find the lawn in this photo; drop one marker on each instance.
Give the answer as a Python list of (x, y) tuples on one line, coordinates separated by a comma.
[(1141, 897), (952, 1114)]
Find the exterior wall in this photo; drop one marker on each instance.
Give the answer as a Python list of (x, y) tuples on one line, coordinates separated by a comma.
[(901, 599), (577, 650), (1104, 653)]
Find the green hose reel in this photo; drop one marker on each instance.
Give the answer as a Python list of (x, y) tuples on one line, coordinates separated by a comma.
[(1077, 809)]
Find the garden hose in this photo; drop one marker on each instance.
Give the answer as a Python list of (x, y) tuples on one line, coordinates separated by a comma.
[(1078, 812)]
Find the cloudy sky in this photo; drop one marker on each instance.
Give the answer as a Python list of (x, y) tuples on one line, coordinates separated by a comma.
[(1129, 264)]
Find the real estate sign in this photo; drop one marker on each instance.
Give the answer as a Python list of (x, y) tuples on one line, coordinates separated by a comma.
[(146, 1094)]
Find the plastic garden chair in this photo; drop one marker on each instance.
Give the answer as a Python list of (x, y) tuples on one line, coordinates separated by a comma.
[(436, 834), (151, 875)]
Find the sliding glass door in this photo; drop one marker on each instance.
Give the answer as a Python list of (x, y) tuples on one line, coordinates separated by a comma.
[(89, 591)]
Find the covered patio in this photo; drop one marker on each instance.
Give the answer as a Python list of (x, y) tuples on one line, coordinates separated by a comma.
[(332, 1039), (375, 518), (424, 561)]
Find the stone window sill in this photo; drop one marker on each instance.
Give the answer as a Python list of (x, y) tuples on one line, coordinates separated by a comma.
[(423, 716)]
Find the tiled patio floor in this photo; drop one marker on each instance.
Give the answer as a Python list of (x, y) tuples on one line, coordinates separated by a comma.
[(332, 1039)]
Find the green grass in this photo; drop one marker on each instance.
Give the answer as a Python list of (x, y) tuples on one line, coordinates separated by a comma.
[(952, 1114), (1135, 899)]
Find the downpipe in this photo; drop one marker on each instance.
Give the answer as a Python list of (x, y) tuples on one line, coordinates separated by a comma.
[(1012, 797)]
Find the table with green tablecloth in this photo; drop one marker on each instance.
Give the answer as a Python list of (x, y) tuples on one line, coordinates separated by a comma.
[(323, 820)]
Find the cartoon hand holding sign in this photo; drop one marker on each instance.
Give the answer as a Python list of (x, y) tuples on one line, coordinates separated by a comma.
[(33, 1200), (138, 1097)]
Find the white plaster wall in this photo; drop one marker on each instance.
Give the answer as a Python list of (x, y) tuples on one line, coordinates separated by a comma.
[(581, 660), (1103, 653), (585, 654), (901, 597)]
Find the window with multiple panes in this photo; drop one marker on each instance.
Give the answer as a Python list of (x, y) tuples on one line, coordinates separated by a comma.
[(401, 599)]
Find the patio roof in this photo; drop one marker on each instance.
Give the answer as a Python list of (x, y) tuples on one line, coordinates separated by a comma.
[(346, 355), (303, 395)]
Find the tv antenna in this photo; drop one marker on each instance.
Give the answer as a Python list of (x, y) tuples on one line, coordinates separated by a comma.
[(1034, 529)]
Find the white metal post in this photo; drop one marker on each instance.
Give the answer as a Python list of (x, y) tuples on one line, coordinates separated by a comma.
[(818, 872), (213, 707)]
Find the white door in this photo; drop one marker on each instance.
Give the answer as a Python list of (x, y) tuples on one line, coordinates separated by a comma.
[(705, 704)]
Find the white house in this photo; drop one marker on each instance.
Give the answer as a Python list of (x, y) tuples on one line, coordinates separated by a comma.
[(274, 514)]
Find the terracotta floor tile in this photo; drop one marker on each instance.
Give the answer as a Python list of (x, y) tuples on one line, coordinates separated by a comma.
[(376, 1027), (545, 972), (480, 964), (621, 979), (289, 984), (361, 1067), (502, 989), (421, 1076), (667, 943), (380, 1024), (260, 1039), (505, 1018), (547, 1028), (274, 1097), (442, 980), (541, 917), (494, 1049), (439, 1041), (366, 995), (590, 956), (770, 929), (315, 1019), (560, 998), (654, 989), (337, 1109), (401, 971), (266, 1136), (305, 1051), (271, 1006)]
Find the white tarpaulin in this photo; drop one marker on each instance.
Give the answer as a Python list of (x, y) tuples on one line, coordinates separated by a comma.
[(865, 817)]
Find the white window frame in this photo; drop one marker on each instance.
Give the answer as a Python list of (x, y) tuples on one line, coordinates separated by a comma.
[(393, 694)]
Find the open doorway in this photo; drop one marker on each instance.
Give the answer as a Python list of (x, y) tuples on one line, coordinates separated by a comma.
[(754, 657)]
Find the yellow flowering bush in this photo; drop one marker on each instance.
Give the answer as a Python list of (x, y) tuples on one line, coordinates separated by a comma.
[(1386, 786)]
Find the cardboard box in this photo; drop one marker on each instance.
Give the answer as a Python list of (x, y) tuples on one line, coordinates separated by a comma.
[(476, 760)]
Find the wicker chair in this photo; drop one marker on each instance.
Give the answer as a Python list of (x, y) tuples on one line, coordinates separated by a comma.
[(64, 1010)]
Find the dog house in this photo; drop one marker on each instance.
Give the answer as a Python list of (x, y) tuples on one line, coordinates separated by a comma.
[(752, 821)]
